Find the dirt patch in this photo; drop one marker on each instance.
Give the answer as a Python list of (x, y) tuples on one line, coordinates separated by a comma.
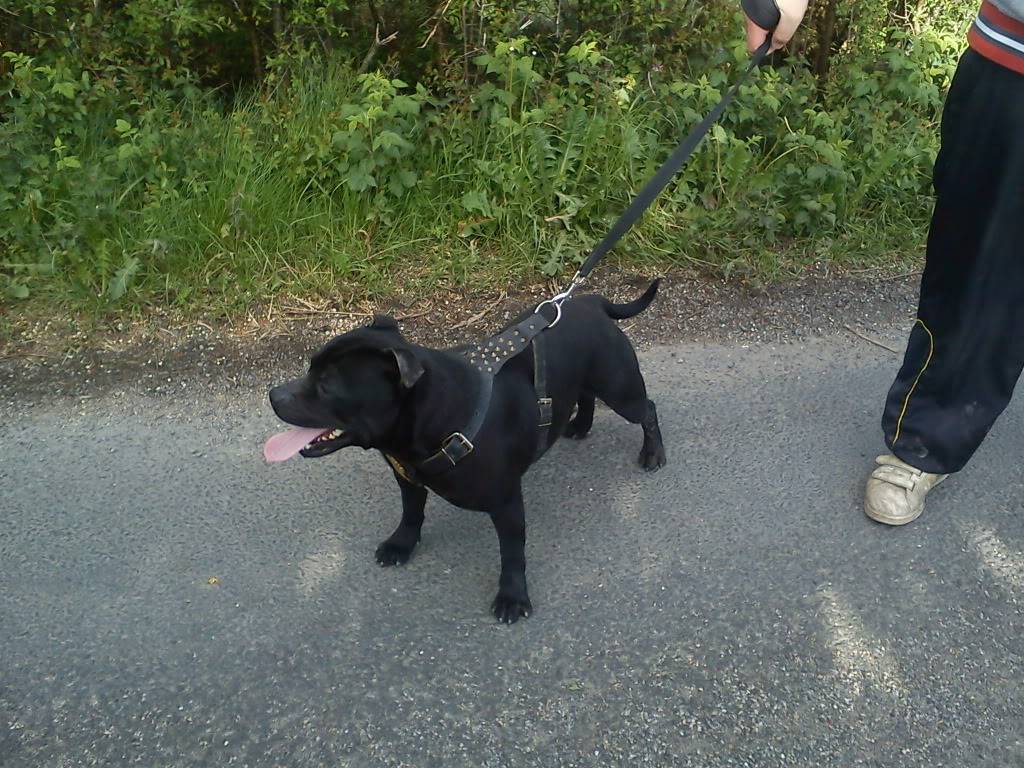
[(46, 359)]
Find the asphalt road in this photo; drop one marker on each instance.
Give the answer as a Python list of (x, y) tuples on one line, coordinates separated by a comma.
[(166, 599)]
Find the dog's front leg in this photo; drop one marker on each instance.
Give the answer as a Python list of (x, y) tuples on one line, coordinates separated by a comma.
[(396, 549), (512, 600)]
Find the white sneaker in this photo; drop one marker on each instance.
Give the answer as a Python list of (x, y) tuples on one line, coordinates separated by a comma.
[(896, 491)]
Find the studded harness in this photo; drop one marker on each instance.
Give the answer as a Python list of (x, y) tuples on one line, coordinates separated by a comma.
[(487, 358)]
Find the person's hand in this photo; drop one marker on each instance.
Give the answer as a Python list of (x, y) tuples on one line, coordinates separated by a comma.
[(792, 12)]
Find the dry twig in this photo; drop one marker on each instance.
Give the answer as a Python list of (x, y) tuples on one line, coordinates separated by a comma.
[(480, 315), (869, 340)]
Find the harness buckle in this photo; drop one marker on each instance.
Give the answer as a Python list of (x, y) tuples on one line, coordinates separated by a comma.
[(456, 447), (544, 406)]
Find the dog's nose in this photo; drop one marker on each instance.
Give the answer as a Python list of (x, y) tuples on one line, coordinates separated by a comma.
[(280, 395)]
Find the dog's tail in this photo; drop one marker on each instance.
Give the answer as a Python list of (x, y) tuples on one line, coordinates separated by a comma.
[(633, 308)]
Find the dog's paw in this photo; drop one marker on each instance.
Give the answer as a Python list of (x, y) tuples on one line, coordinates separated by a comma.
[(653, 459), (508, 608), (390, 553)]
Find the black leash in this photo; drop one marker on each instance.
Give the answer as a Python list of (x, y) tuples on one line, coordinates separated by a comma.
[(667, 171), (764, 13)]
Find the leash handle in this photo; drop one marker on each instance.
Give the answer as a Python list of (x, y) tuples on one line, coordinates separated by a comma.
[(764, 13), (664, 175)]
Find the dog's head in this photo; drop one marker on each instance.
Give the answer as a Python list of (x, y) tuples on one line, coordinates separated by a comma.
[(352, 393)]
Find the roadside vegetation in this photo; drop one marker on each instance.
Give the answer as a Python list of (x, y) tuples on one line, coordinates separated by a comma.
[(212, 153)]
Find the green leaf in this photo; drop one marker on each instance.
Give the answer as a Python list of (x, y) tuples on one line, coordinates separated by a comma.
[(122, 126), (17, 291), (405, 105), (66, 89), (817, 173), (551, 266), (360, 181), (525, 66), (476, 201), (388, 139), (123, 278)]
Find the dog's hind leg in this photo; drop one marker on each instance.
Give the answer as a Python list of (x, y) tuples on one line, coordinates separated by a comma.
[(624, 391), (652, 454), (397, 548), (581, 423)]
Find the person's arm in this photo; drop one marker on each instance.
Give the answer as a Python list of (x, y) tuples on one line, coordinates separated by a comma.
[(792, 13)]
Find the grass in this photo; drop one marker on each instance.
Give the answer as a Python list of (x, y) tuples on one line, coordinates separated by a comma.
[(219, 208)]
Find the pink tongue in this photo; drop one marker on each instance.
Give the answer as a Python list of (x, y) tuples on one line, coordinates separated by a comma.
[(284, 445)]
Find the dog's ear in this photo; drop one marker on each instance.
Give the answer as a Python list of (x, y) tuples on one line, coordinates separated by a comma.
[(384, 323), (409, 367)]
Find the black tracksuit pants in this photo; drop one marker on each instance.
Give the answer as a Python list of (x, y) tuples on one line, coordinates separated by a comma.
[(966, 350)]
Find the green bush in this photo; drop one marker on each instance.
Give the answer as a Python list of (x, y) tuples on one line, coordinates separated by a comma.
[(124, 176)]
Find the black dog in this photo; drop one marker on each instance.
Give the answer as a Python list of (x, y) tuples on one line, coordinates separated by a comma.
[(372, 388)]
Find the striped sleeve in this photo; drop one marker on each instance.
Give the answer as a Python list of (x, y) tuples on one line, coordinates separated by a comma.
[(998, 37)]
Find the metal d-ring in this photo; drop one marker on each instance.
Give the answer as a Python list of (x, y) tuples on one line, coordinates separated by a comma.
[(556, 302)]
